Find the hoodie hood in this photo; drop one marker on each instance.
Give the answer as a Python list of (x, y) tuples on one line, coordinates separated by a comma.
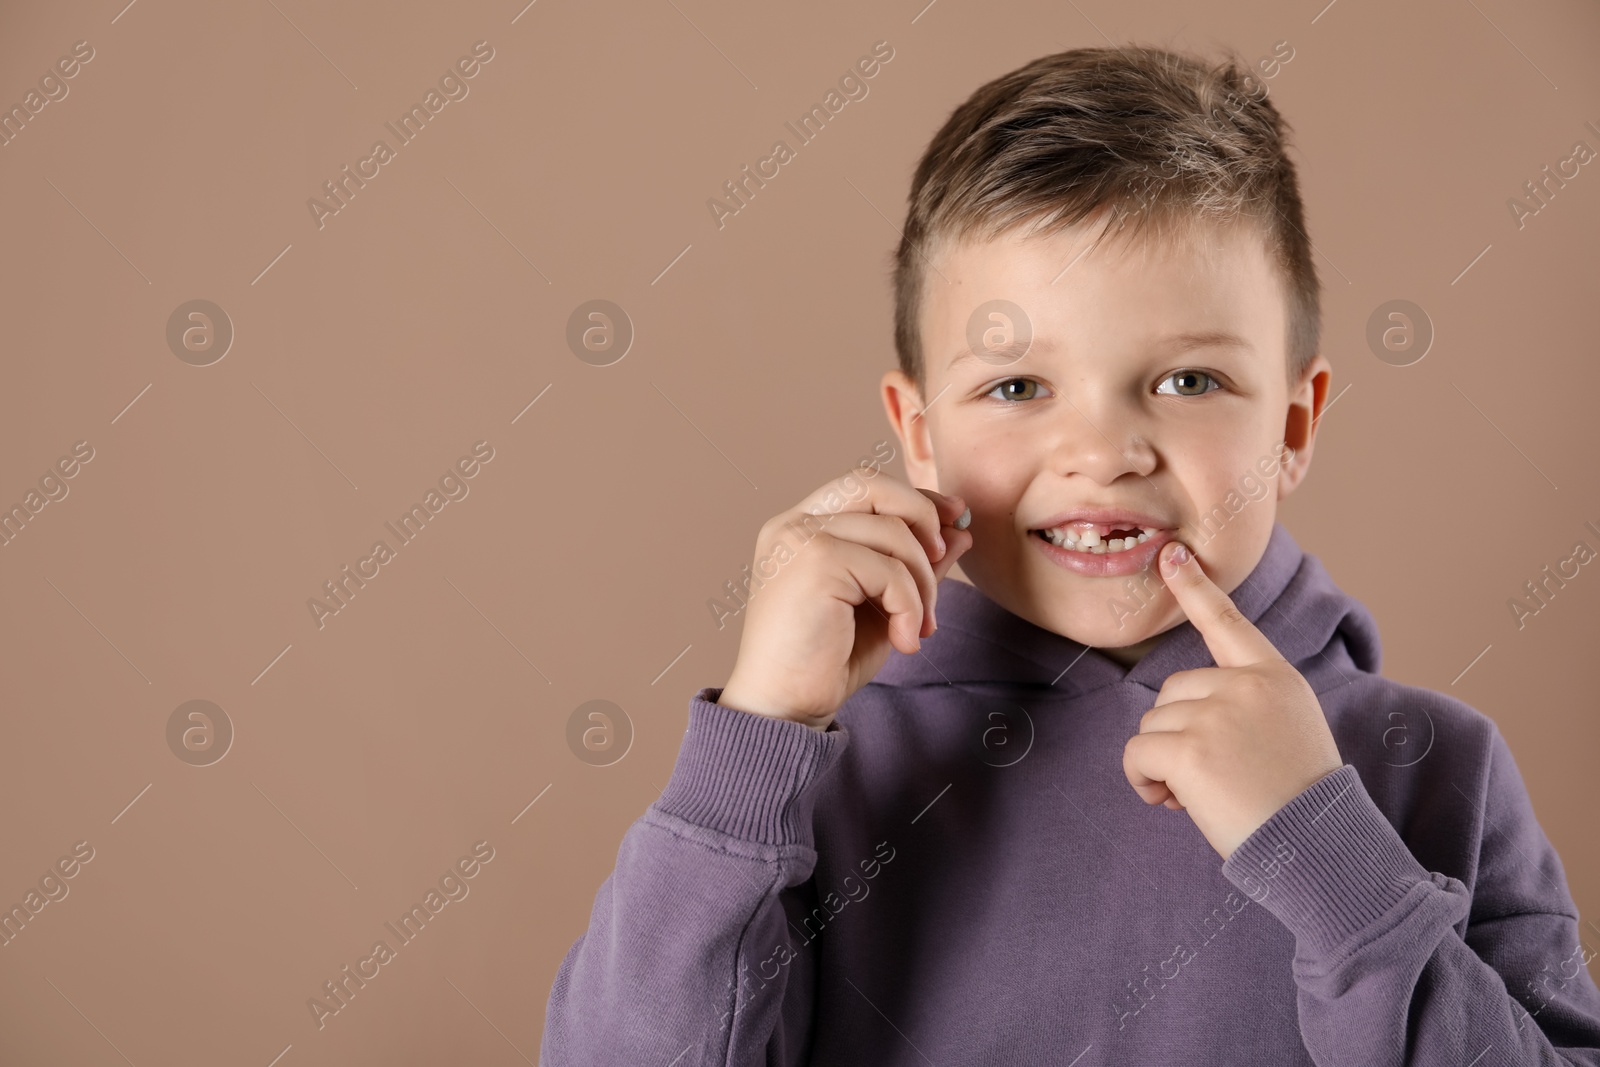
[(1289, 596)]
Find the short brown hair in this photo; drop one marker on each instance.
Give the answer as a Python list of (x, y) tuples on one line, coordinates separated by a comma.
[(1137, 132)]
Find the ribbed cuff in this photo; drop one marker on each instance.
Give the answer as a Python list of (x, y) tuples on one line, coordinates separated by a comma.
[(1328, 864), (747, 775)]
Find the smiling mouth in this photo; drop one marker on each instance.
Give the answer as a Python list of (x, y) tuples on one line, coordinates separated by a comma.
[(1098, 539)]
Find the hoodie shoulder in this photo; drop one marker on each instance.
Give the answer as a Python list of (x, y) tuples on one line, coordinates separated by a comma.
[(1391, 723), (1426, 758), (1382, 725)]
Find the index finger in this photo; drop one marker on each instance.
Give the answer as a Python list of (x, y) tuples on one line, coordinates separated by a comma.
[(923, 510), (1234, 640)]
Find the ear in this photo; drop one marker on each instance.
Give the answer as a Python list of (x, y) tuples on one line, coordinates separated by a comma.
[(902, 402), (1307, 400)]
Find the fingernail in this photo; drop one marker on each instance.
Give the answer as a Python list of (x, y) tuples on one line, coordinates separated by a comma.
[(938, 539), (964, 521), (1177, 557)]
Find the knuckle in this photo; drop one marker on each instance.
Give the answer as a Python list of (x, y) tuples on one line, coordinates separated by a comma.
[(914, 548), (823, 548), (1256, 682), (773, 527)]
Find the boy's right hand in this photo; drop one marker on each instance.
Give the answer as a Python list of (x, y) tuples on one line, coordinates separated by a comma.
[(821, 627)]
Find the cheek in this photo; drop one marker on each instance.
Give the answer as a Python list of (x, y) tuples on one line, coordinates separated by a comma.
[(1216, 469), (989, 465), (1198, 475), (1234, 509)]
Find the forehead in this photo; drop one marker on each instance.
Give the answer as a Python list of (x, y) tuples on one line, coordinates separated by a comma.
[(1124, 292)]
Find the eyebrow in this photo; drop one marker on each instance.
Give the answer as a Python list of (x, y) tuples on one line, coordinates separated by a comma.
[(1183, 342)]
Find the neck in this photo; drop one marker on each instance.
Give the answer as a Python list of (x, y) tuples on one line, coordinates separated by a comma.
[(1127, 656)]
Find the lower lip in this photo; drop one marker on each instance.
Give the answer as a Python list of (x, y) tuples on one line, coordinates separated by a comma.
[(1105, 564)]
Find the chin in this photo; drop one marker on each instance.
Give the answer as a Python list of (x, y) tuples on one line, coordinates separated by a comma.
[(1101, 630), (1110, 635), (1123, 612)]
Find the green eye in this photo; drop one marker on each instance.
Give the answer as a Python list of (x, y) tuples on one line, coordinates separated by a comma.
[(1188, 383), (1013, 394)]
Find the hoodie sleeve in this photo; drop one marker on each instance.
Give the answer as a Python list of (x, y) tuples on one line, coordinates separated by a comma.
[(676, 966), (1386, 976)]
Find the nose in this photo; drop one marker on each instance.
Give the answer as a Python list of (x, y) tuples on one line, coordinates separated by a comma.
[(1100, 440)]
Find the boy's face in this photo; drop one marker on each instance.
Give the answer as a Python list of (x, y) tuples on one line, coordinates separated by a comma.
[(1107, 408)]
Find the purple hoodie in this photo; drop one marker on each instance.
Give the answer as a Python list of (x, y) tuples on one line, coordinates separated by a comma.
[(957, 872)]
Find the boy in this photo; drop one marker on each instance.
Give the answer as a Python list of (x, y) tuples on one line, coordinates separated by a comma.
[(1037, 835)]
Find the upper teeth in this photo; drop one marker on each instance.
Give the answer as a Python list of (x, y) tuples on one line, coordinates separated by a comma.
[(1089, 540)]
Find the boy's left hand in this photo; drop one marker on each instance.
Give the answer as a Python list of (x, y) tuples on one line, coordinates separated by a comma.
[(1232, 743)]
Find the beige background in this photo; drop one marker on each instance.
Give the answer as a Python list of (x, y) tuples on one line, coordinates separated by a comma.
[(371, 753)]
